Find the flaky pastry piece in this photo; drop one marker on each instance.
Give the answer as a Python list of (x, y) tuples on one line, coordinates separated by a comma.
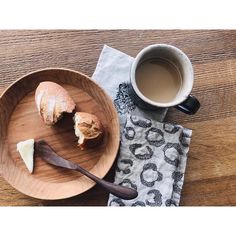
[(52, 101), (88, 129)]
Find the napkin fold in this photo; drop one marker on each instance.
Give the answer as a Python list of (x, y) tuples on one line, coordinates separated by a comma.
[(153, 155)]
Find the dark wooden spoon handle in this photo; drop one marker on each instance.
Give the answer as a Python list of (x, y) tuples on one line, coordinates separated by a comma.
[(117, 190), (50, 156)]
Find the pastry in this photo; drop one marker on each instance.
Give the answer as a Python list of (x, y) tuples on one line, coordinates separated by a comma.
[(52, 101), (88, 129)]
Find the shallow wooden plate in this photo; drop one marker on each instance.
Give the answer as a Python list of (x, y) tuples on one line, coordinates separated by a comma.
[(19, 120)]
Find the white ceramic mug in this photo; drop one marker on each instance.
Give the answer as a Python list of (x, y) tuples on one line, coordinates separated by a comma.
[(183, 100)]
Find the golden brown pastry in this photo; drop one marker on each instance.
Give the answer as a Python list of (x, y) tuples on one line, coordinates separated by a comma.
[(88, 129), (52, 101)]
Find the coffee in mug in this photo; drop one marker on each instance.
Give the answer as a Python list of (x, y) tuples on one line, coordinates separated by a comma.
[(158, 80), (162, 76)]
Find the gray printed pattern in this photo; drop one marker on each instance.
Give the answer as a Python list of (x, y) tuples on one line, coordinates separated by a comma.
[(123, 102), (152, 160)]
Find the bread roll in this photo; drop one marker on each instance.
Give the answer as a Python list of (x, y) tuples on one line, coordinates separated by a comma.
[(88, 129), (52, 101)]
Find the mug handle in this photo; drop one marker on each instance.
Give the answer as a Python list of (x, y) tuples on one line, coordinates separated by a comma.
[(189, 106)]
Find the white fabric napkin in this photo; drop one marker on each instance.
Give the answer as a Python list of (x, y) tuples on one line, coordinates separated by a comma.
[(153, 155)]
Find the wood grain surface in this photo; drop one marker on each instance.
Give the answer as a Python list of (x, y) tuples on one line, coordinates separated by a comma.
[(210, 177)]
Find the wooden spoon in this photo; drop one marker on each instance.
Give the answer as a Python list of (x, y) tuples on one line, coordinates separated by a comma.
[(43, 150)]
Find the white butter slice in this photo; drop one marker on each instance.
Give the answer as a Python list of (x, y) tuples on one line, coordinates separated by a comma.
[(26, 150)]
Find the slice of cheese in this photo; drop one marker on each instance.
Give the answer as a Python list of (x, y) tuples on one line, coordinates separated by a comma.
[(26, 150)]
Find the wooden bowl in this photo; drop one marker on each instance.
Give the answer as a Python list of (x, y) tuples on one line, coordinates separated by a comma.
[(19, 120)]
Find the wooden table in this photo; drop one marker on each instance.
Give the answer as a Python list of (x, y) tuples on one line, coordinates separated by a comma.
[(210, 177)]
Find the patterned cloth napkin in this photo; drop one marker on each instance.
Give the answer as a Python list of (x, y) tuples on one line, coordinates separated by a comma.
[(152, 155), (152, 160)]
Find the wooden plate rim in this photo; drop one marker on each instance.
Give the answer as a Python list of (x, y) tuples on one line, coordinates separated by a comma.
[(4, 142)]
